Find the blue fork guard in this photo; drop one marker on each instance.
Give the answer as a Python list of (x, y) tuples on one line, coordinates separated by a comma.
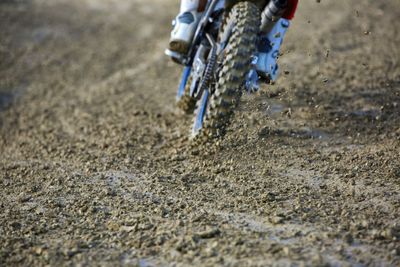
[(184, 79), (275, 40), (200, 116)]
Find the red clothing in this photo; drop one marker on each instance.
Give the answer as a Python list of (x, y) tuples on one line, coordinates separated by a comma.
[(291, 9)]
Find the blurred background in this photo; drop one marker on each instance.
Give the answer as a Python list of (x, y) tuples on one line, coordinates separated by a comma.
[(96, 167)]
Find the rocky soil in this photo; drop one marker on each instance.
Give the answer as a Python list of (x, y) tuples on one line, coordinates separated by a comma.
[(96, 167)]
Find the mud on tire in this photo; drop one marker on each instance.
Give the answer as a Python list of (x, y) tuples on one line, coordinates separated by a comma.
[(235, 65)]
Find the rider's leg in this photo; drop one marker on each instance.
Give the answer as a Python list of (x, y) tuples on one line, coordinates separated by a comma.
[(185, 25)]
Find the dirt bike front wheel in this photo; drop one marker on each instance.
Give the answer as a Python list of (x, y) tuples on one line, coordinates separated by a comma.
[(214, 110)]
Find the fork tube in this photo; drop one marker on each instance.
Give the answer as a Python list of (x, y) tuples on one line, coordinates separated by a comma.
[(210, 8), (184, 79), (204, 20)]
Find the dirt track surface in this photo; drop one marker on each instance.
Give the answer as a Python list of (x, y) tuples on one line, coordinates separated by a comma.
[(96, 167)]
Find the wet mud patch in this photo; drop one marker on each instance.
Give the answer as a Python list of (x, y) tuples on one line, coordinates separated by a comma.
[(304, 133), (6, 100), (353, 111)]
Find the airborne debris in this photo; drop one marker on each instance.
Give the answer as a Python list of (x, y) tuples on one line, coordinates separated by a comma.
[(327, 53)]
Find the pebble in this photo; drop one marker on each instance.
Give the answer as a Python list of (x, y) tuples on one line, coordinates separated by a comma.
[(211, 233)]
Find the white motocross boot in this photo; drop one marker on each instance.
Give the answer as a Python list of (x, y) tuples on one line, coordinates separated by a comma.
[(185, 26)]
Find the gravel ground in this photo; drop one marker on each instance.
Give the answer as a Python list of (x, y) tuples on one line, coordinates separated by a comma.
[(96, 167)]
